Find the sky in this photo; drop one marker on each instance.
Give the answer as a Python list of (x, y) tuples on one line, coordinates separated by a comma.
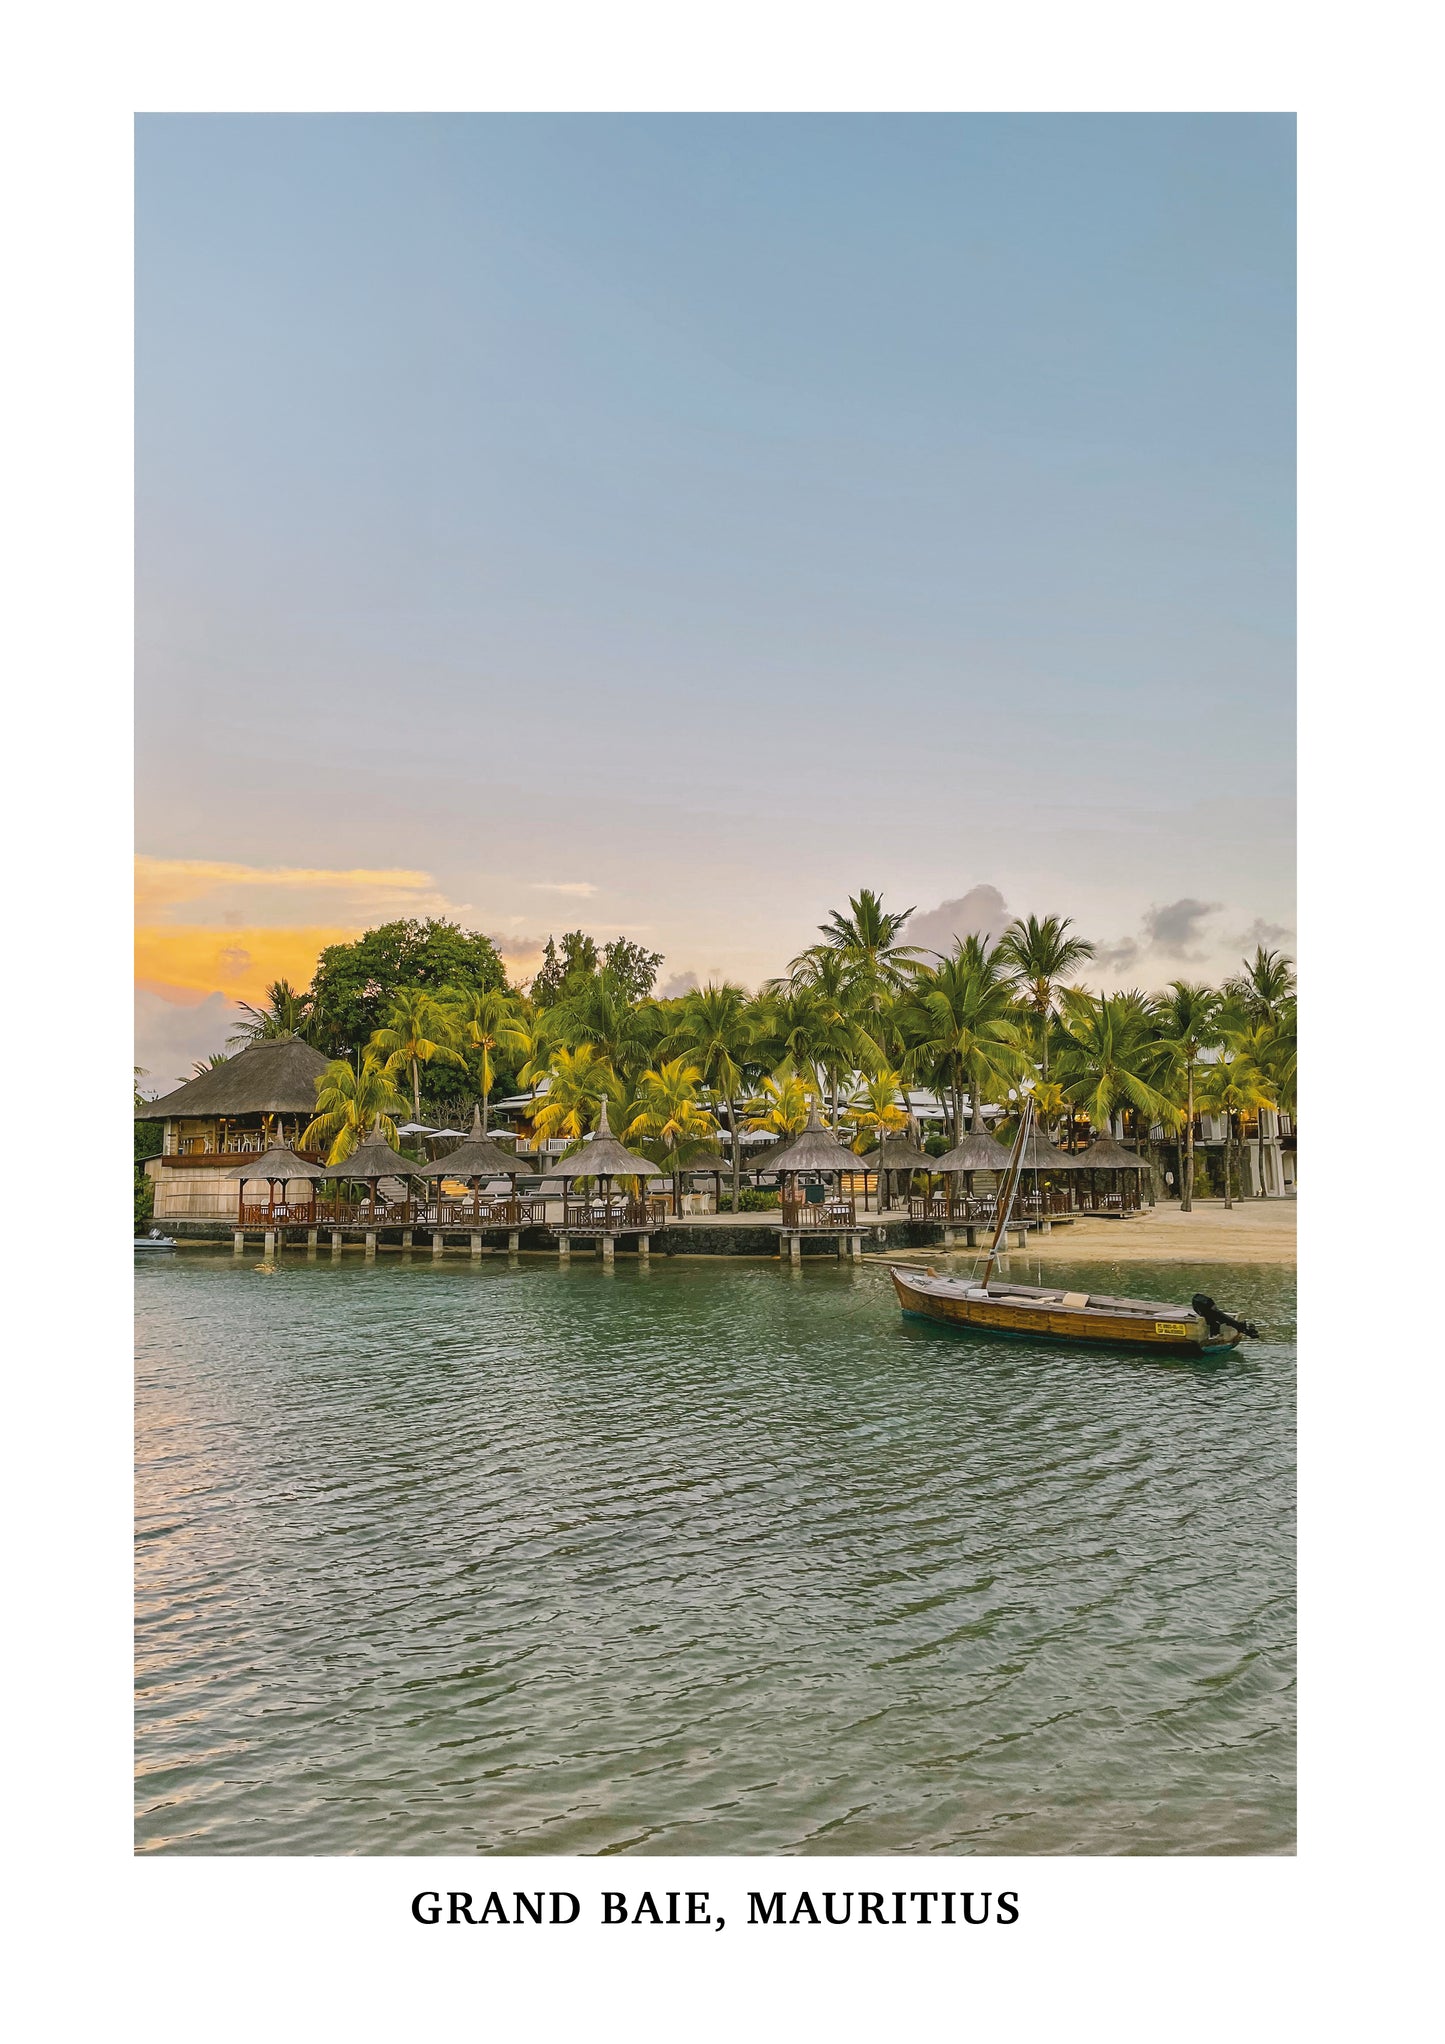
[(668, 524)]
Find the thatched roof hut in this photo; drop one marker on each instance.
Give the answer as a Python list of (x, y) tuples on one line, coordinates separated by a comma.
[(372, 1159), (602, 1156), (476, 1156), (275, 1076), (1105, 1154), (1042, 1155), (814, 1150), (897, 1153), (979, 1151), (276, 1165)]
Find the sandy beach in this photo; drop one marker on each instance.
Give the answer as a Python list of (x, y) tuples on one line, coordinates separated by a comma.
[(1251, 1231)]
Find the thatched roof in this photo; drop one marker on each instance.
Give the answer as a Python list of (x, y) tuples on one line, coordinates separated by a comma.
[(276, 1076), (1042, 1155), (979, 1151), (373, 1158), (1105, 1154), (602, 1156), (276, 1163), (899, 1153), (476, 1156), (814, 1150)]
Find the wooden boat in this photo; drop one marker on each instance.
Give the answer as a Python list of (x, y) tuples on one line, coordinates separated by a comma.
[(985, 1305), (1096, 1319)]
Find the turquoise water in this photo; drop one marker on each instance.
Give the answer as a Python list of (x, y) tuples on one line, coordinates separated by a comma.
[(706, 1558)]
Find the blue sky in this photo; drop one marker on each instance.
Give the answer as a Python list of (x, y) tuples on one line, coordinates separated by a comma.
[(670, 523)]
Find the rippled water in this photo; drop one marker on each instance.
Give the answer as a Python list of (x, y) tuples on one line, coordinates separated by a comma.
[(704, 1559)]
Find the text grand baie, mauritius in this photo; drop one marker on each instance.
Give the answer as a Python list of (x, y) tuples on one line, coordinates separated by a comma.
[(692, 1907)]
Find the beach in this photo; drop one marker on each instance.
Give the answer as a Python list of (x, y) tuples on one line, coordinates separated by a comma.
[(1251, 1231)]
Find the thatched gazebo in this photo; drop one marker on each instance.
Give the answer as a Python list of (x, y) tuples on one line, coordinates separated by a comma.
[(476, 1157), (814, 1151), (372, 1160), (602, 1157), (277, 1166), (1107, 1154), (898, 1155)]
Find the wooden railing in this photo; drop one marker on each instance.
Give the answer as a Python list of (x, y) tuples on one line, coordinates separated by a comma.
[(284, 1214), (973, 1211), (829, 1214), (609, 1216), (481, 1212)]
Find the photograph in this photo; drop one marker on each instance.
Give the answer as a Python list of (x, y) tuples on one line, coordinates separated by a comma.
[(716, 956)]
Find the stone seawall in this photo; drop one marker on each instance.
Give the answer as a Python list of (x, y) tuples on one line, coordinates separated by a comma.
[(696, 1237)]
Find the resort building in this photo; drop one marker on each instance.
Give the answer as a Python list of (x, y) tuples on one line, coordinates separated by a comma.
[(261, 1098)]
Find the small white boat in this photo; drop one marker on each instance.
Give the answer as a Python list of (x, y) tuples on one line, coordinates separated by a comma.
[(155, 1240)]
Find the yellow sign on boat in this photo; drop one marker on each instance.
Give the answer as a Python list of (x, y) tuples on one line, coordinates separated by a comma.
[(1170, 1327)]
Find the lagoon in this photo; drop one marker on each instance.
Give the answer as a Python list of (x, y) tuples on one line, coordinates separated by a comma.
[(705, 1557)]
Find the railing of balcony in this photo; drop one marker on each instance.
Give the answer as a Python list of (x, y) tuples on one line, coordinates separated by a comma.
[(829, 1214), (611, 1215)]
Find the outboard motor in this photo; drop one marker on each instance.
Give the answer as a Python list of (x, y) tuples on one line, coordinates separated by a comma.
[(1214, 1318)]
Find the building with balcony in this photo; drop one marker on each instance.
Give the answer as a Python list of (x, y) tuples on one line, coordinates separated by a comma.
[(262, 1097)]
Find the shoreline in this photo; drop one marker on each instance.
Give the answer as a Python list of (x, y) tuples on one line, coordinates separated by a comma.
[(1251, 1231)]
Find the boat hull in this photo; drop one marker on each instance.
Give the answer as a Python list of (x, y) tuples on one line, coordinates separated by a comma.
[(1161, 1331)]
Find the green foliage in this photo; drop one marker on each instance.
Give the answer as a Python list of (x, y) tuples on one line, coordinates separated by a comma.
[(355, 984), (750, 1200), (567, 971), (286, 1013), (145, 1201)]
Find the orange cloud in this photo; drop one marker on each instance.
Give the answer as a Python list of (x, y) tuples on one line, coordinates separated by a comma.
[(183, 960)]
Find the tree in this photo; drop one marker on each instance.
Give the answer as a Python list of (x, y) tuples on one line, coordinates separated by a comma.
[(484, 1021), (1188, 1017), (565, 971), (669, 1112), (1110, 1057), (804, 1028), (716, 1027), (578, 1080), (960, 1014), (350, 1102), (1232, 1086), (202, 1065), (597, 1010), (1037, 954), (354, 984), (1264, 986), (418, 1031), (286, 1013), (781, 1107)]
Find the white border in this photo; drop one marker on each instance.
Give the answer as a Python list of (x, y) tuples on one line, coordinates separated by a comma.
[(1124, 1948)]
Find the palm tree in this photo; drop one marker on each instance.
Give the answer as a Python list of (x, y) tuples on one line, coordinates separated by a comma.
[(1188, 1016), (804, 1029), (286, 1013), (600, 1012), (1038, 954), (781, 1107), (578, 1082), (417, 1032), (202, 1065), (350, 1101), (960, 1014), (716, 1026), (865, 942), (1232, 1086), (1110, 1057), (668, 1111), (486, 1021), (1264, 986)]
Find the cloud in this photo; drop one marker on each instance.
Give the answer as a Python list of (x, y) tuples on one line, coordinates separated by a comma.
[(182, 961), (1175, 927), (581, 888), (679, 984), (1270, 935), (1119, 957), (165, 884), (981, 912)]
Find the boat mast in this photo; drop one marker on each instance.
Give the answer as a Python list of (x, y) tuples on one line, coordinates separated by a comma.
[(1011, 1186)]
